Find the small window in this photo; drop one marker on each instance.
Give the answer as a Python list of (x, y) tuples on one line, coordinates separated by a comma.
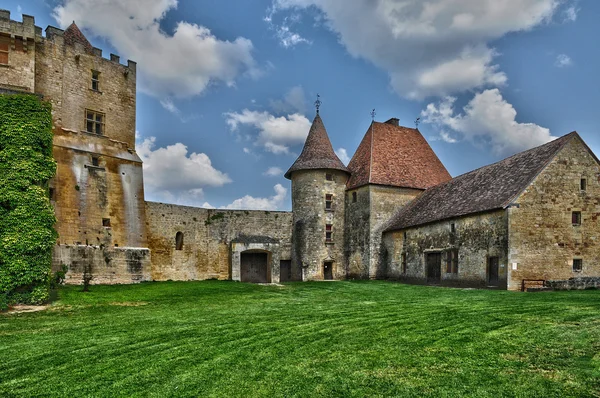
[(95, 161), (4, 46), (328, 233), (577, 265), (106, 222), (405, 235), (453, 228), (403, 260), (94, 122), (95, 80), (329, 177), (328, 202), (576, 218), (452, 261), (179, 241), (353, 197), (583, 184), (51, 193)]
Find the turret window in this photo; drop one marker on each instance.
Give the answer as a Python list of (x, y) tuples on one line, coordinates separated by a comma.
[(329, 202), (576, 218), (583, 184), (353, 197), (328, 233), (95, 80), (328, 176)]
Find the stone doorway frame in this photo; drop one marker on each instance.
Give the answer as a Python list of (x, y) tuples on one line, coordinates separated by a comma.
[(268, 246)]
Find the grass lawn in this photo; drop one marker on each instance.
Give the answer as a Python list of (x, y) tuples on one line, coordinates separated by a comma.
[(345, 339)]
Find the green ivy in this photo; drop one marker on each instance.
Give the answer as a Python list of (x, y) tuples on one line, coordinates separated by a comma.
[(27, 233)]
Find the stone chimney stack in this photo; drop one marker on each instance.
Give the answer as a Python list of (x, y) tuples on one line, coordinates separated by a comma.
[(393, 121)]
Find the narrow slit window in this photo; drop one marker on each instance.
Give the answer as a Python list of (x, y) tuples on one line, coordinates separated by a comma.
[(94, 122), (577, 265), (453, 228), (179, 241), (4, 46), (329, 202), (353, 197), (106, 222), (95, 80), (51, 193), (576, 218), (583, 184), (328, 233), (403, 259)]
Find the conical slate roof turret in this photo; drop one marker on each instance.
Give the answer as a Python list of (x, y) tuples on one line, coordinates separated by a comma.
[(73, 35), (318, 152)]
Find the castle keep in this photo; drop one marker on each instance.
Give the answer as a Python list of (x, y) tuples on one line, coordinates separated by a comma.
[(393, 212)]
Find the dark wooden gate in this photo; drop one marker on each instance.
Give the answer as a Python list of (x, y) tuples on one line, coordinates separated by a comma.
[(328, 270), (493, 279), (285, 270), (254, 267), (434, 268)]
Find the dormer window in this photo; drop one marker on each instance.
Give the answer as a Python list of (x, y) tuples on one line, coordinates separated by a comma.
[(95, 80)]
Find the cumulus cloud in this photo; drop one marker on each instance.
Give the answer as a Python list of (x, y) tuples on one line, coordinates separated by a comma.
[(275, 134), (248, 202), (172, 175), (343, 155), (429, 48), (563, 60), (180, 64), (273, 172), (488, 119)]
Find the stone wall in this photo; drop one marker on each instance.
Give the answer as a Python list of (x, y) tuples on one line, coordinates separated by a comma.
[(476, 237), (543, 240), (19, 73), (107, 265), (207, 238), (575, 284), (310, 250)]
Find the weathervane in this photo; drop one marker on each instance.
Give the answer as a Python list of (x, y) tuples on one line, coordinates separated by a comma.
[(318, 103), (373, 113), (417, 122)]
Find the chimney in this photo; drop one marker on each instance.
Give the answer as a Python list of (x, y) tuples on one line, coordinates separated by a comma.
[(393, 121)]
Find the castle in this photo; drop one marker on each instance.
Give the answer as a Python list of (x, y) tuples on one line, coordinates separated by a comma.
[(393, 212)]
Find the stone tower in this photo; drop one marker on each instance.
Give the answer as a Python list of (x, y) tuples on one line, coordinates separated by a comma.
[(318, 188)]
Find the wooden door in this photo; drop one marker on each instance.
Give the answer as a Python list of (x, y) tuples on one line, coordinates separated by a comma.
[(254, 267), (285, 270), (328, 271), (493, 279), (434, 268)]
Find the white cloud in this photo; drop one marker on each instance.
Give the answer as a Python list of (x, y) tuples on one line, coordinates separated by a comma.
[(293, 101), (429, 48), (343, 155), (173, 175), (275, 134), (180, 64), (563, 60), (570, 13), (168, 104), (489, 120), (248, 202), (287, 38), (207, 205), (273, 172)]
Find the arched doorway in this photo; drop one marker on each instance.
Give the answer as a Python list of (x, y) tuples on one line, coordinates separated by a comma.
[(255, 267)]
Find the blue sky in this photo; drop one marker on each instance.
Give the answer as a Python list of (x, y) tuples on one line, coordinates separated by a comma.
[(226, 88)]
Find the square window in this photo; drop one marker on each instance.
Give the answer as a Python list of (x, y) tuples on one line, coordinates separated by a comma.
[(576, 218), (329, 177), (583, 184), (95, 161), (328, 233), (95, 80), (94, 122), (106, 222), (577, 265)]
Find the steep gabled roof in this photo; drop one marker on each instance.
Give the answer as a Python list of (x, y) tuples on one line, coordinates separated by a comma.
[(317, 152), (488, 188), (397, 156), (73, 35)]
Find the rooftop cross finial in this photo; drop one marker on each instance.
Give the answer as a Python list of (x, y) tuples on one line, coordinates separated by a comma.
[(417, 122), (318, 103), (373, 114)]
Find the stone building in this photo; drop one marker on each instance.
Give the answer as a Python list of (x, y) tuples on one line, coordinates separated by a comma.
[(393, 212)]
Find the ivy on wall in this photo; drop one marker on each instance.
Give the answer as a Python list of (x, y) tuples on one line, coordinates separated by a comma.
[(27, 218)]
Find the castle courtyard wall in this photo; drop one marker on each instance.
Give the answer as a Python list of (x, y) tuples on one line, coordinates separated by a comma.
[(208, 239), (543, 240), (476, 237)]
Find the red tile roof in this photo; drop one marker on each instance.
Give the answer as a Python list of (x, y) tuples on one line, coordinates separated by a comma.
[(73, 35), (395, 156), (317, 152)]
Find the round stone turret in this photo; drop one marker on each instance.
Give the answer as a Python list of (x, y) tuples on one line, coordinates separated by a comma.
[(318, 202)]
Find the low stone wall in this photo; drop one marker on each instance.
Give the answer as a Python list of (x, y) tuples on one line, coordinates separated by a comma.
[(112, 265), (575, 284)]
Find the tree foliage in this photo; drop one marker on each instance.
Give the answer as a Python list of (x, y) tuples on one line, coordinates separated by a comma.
[(27, 219)]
